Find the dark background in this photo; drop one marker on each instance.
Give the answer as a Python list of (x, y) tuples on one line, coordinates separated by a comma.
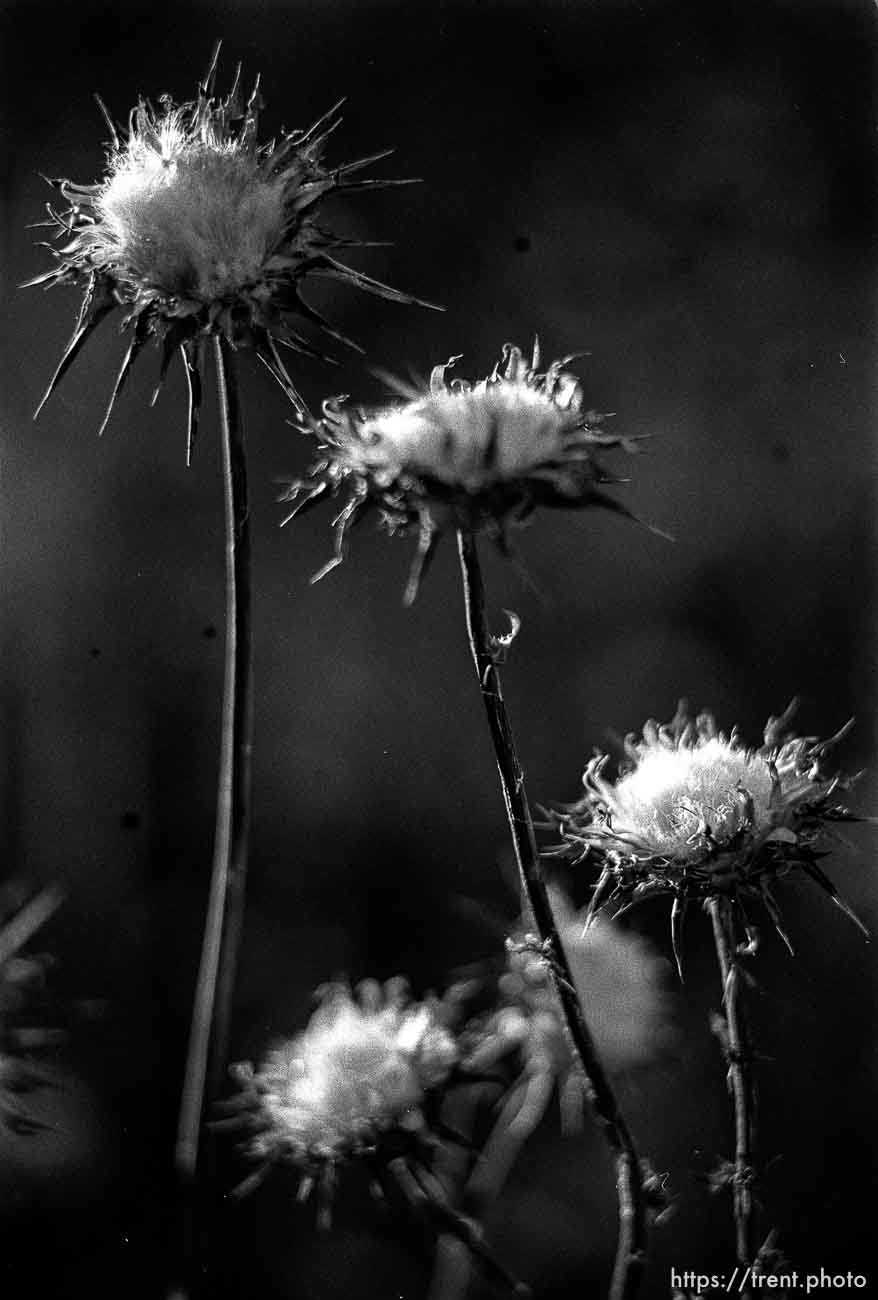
[(687, 192)]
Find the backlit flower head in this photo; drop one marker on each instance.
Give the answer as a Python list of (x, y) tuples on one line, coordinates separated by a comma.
[(196, 228), (360, 1073), (621, 982), (696, 814), (478, 456), (363, 1081)]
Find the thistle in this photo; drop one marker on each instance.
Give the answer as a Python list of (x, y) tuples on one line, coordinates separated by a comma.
[(198, 230), (361, 1084), (360, 1070), (473, 456), (695, 814), (478, 459), (617, 976), (698, 816)]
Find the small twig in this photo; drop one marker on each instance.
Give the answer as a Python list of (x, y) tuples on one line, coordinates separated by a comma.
[(209, 1033), (631, 1249), (739, 1057)]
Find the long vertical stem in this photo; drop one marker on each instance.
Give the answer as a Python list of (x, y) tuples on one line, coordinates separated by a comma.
[(631, 1249), (740, 1077), (209, 1034)]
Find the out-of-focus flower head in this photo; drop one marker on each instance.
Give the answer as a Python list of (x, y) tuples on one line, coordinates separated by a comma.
[(476, 456), (27, 1026), (196, 228), (358, 1076), (622, 985), (696, 814), (363, 1082)]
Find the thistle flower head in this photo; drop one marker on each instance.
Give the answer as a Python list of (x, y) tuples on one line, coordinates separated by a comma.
[(196, 228), (696, 814), (477, 456), (361, 1070), (622, 984), (359, 1083)]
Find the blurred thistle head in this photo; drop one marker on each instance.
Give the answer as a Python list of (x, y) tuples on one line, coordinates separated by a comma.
[(696, 814), (28, 1018), (357, 1078), (473, 456), (622, 983), (196, 228)]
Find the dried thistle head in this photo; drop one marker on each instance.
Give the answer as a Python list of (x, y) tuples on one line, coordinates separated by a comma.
[(358, 1077), (696, 814), (477, 456), (362, 1082), (196, 229), (622, 984)]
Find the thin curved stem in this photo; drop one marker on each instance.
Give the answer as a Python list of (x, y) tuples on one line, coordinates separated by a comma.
[(631, 1248), (209, 1034), (739, 1056)]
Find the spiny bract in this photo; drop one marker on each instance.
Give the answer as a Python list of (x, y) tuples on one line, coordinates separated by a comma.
[(476, 456), (697, 815), (196, 228)]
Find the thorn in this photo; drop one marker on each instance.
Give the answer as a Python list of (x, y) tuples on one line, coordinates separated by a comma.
[(125, 369), (189, 353), (105, 113), (678, 917), (90, 316), (209, 81), (826, 884), (500, 644), (428, 540), (598, 897)]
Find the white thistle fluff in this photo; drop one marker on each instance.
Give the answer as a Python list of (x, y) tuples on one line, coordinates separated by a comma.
[(672, 794), (695, 814), (478, 456), (473, 438), (195, 217), (197, 229), (360, 1067)]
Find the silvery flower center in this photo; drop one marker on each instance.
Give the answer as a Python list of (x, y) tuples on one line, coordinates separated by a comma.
[(494, 433), (673, 793), (348, 1072), (189, 220)]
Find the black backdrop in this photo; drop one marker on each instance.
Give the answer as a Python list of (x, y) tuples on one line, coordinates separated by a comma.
[(686, 192)]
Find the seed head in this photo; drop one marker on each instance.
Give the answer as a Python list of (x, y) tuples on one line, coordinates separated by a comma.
[(477, 456), (196, 228), (696, 814)]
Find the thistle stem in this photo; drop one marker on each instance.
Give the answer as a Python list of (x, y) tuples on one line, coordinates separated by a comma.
[(738, 1053), (211, 1015), (631, 1248)]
